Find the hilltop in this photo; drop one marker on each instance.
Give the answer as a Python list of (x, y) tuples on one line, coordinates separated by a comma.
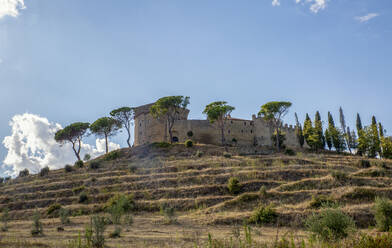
[(193, 181)]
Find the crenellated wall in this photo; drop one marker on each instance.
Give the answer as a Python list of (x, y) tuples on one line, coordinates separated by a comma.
[(238, 132)]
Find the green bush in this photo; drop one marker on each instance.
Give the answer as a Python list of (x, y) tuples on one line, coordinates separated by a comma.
[(79, 189), (112, 155), (94, 165), (116, 232), (87, 157), (189, 143), (83, 197), (79, 164), (37, 229), (132, 168), (68, 168), (234, 186), (364, 163), (263, 215), (339, 175), (5, 218), (64, 216), (319, 201), (199, 154), (330, 225), (263, 191), (290, 152), (44, 171), (161, 144), (169, 213), (24, 173), (53, 210), (383, 213), (227, 155), (98, 226), (125, 202)]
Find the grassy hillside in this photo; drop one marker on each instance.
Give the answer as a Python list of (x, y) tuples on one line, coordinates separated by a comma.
[(193, 181)]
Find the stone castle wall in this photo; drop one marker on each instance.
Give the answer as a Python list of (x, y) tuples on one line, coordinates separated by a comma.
[(255, 132)]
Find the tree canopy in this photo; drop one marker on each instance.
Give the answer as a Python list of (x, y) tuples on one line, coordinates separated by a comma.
[(169, 107), (73, 133), (274, 112), (105, 127), (125, 116), (218, 112)]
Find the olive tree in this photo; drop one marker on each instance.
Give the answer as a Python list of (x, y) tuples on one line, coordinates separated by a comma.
[(169, 108), (125, 116), (217, 112), (274, 113), (74, 134), (105, 127)]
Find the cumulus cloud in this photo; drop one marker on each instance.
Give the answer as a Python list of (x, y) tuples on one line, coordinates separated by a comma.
[(315, 5), (275, 3), (31, 145), (11, 7), (367, 17)]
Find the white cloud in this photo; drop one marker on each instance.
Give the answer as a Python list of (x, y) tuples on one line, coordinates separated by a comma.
[(11, 7), (367, 17), (31, 145), (315, 5), (275, 3)]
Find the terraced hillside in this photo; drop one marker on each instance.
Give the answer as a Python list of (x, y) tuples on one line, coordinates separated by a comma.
[(194, 182)]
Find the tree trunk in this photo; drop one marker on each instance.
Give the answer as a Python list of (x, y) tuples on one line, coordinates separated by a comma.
[(223, 135), (106, 143), (277, 139), (129, 137), (76, 153)]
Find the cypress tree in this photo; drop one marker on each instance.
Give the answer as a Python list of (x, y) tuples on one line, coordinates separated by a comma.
[(336, 134), (381, 129), (299, 132), (328, 139), (308, 131), (331, 123), (375, 147), (360, 139), (318, 128), (343, 126)]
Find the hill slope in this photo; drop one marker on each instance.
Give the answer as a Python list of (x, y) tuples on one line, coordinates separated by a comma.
[(194, 182)]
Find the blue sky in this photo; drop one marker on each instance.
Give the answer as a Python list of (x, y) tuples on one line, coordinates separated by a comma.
[(72, 60)]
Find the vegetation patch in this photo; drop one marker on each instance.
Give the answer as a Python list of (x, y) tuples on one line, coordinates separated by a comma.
[(234, 186), (330, 225), (263, 215), (112, 156), (161, 145), (383, 214), (319, 201)]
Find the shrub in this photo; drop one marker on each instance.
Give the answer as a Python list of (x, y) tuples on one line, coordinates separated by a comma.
[(125, 202), (189, 143), (128, 220), (83, 197), (234, 185), (169, 213), (319, 201), (79, 164), (68, 168), (24, 173), (263, 191), (290, 152), (37, 225), (161, 144), (189, 133), (53, 210), (79, 189), (87, 157), (339, 175), (4, 218), (199, 154), (383, 214), (44, 171), (64, 216), (94, 165), (364, 163), (112, 155), (330, 225), (132, 168), (227, 155), (96, 235), (116, 233), (361, 194), (263, 215)]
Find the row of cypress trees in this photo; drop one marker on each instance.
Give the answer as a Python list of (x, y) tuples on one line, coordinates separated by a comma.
[(368, 141)]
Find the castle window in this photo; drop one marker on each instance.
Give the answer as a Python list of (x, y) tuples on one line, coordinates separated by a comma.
[(228, 131), (231, 122), (244, 123), (175, 139), (251, 131), (242, 131)]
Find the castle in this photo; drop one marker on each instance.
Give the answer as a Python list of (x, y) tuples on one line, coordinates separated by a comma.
[(238, 132)]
